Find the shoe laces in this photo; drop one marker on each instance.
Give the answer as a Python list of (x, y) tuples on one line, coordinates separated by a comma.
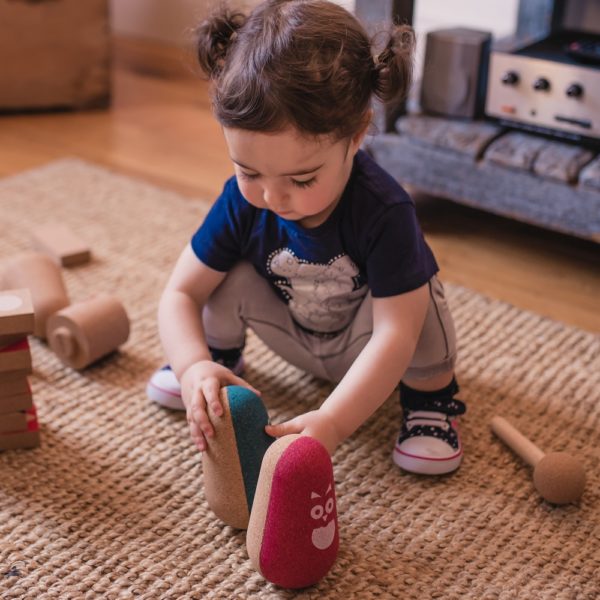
[(426, 418)]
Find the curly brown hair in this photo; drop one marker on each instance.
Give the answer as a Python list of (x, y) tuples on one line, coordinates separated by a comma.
[(305, 63)]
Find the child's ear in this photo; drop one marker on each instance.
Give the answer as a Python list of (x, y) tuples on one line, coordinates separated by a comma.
[(359, 136)]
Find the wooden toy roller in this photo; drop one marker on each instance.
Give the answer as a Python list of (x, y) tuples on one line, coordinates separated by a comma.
[(84, 332), (557, 476)]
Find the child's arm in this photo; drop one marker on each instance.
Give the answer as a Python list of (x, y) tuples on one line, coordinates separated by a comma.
[(397, 324), (182, 336)]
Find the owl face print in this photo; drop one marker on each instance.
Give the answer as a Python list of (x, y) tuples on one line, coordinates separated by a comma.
[(322, 514)]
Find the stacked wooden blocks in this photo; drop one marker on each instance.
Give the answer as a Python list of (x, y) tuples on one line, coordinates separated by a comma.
[(18, 421)]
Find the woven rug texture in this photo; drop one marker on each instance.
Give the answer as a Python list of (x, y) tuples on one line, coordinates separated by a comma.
[(112, 505)]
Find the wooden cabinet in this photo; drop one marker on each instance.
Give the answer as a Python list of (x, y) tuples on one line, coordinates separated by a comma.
[(54, 54)]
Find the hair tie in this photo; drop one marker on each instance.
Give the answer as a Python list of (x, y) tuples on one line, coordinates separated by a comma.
[(385, 57)]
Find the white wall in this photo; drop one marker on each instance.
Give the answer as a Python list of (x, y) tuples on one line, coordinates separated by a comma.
[(168, 20), (497, 16), (164, 21)]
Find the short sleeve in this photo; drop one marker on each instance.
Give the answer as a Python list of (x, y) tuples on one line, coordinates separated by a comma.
[(218, 242), (398, 259)]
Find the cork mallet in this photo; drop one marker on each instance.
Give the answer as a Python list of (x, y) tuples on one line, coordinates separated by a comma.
[(557, 476)]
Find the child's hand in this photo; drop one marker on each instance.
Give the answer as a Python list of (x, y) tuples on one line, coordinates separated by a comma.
[(200, 387), (316, 423)]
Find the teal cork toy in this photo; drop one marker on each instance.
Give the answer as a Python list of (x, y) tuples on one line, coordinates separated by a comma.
[(231, 463)]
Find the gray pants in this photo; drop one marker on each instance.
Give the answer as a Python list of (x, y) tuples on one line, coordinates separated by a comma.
[(245, 299)]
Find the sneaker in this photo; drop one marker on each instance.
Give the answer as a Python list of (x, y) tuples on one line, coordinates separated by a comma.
[(164, 389), (429, 441)]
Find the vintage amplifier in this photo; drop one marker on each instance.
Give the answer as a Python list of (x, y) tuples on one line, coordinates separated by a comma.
[(550, 86)]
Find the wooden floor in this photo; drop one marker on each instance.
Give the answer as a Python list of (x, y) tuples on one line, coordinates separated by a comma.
[(160, 128)]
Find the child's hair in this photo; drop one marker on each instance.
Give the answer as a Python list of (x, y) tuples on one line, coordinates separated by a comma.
[(304, 63)]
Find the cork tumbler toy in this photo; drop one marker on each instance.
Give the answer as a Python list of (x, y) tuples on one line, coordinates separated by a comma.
[(86, 331), (557, 476), (293, 536), (231, 462)]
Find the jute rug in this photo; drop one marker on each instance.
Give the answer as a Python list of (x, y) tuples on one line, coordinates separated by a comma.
[(111, 505)]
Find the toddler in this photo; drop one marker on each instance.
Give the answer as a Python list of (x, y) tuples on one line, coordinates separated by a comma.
[(311, 243)]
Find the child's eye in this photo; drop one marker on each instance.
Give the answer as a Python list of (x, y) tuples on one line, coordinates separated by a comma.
[(248, 176), (304, 184)]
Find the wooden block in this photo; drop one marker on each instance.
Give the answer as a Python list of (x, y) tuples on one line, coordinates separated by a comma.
[(10, 404), (13, 421), (14, 383), (21, 440), (231, 463), (43, 277), (16, 357), (29, 437), (9, 340), (293, 537), (54, 54), (15, 392), (16, 313), (61, 243)]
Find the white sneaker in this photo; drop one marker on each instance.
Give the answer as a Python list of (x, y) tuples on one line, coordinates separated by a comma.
[(164, 389)]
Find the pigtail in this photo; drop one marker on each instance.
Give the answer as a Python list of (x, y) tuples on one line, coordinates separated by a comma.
[(392, 68), (214, 38)]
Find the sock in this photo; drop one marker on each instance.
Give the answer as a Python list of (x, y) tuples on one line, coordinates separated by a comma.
[(441, 400), (228, 358)]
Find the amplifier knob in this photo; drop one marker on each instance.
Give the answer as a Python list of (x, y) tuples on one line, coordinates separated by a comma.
[(510, 78), (541, 84), (575, 90)]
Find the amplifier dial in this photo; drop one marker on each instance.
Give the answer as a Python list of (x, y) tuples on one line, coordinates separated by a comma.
[(510, 78), (575, 90), (541, 84)]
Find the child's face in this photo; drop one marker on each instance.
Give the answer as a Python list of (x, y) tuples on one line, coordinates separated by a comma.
[(298, 178)]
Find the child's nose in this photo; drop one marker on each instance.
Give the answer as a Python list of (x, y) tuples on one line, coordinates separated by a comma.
[(273, 198)]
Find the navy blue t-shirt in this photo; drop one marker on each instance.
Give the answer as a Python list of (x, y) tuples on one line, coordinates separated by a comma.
[(370, 242)]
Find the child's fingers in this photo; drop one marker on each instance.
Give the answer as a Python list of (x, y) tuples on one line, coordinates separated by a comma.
[(283, 428), (197, 436), (239, 381), (199, 415), (211, 388)]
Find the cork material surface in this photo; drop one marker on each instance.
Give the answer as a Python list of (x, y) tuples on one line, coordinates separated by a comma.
[(258, 517), (111, 504), (223, 479)]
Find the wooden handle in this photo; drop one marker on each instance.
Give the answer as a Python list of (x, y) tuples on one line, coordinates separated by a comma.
[(515, 440)]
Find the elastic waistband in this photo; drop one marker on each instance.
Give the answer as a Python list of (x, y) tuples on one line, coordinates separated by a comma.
[(324, 335)]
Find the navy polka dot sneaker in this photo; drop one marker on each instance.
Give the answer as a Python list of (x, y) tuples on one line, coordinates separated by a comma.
[(429, 442), (164, 389)]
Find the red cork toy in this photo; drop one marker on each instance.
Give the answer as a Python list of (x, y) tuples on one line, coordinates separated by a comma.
[(293, 534)]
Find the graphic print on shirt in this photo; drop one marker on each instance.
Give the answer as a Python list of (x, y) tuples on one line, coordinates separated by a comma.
[(321, 297)]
